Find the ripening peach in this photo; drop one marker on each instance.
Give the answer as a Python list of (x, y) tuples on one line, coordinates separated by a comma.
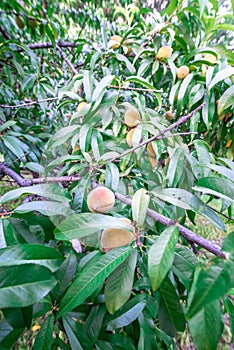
[(81, 105), (151, 155), (114, 42), (182, 72), (169, 115), (164, 52), (210, 58), (131, 118), (130, 137), (100, 200), (116, 237)]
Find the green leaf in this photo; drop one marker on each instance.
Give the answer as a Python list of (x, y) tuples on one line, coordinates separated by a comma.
[(112, 176), (147, 339), (47, 208), (88, 85), (140, 202), (91, 278), (216, 186), (71, 328), (230, 309), (206, 327), (15, 146), (50, 191), (128, 313), (101, 86), (7, 125), (221, 75), (175, 168), (228, 243), (8, 335), (210, 284), (184, 265), (31, 254), (226, 100), (119, 284), (189, 201), (63, 134), (203, 154), (44, 337), (24, 284), (124, 59), (84, 224), (7, 236), (161, 255), (172, 304)]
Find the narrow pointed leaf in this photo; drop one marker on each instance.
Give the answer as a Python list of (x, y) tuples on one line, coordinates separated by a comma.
[(24, 285), (48, 208), (81, 225), (140, 202), (172, 304), (210, 284), (161, 255), (219, 187), (44, 337), (119, 284), (31, 254), (50, 191), (206, 327), (91, 278)]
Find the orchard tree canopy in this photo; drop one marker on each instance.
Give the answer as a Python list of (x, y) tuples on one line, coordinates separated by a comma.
[(116, 122)]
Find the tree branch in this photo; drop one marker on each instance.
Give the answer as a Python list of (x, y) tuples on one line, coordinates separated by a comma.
[(186, 233), (133, 88), (48, 45), (26, 104), (180, 121), (64, 57), (29, 182)]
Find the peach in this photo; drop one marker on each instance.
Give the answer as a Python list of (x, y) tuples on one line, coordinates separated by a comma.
[(100, 200), (182, 72), (115, 237), (131, 117), (164, 52)]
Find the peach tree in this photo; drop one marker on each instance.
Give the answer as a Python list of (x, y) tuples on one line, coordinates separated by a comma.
[(116, 139)]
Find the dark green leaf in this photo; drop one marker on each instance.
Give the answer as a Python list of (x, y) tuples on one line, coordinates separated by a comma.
[(161, 255), (119, 284), (91, 278), (24, 285)]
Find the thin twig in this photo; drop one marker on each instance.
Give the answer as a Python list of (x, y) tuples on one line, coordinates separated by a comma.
[(64, 57), (180, 121), (48, 45), (132, 88), (29, 182), (186, 233), (26, 104)]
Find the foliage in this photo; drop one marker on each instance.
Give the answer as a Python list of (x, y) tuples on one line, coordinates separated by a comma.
[(55, 55)]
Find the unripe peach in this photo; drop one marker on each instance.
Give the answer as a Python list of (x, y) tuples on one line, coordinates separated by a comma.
[(169, 115), (100, 200), (182, 72), (20, 22), (116, 237), (210, 58), (164, 52), (131, 117), (130, 136), (81, 105), (115, 41), (151, 155), (150, 150)]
